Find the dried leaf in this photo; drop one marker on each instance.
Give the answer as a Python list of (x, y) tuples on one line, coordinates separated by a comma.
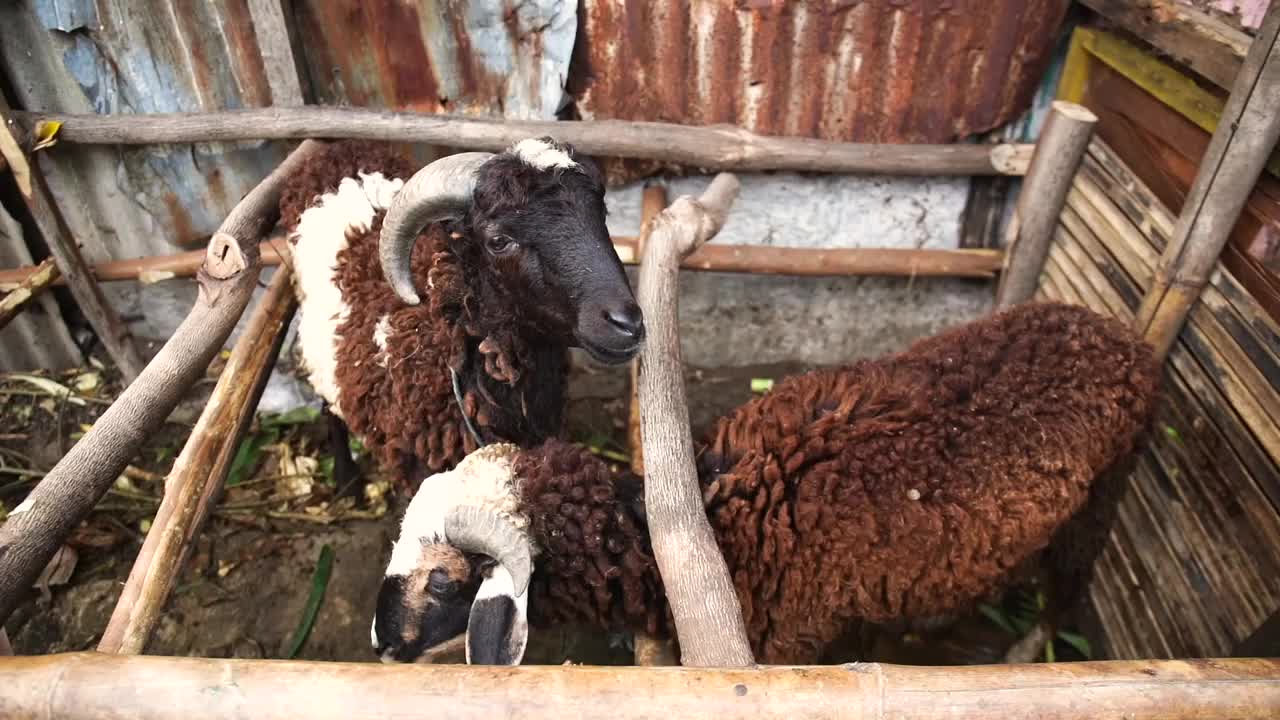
[(48, 387), (46, 134), (58, 571), (86, 383), (225, 567)]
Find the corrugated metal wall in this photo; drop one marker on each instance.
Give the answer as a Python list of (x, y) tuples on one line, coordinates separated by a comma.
[(897, 70)]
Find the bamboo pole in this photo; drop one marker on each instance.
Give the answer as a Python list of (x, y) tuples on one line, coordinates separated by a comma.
[(1237, 154), (198, 475), (67, 494), (1061, 147), (104, 687), (649, 650), (146, 270), (757, 259), (708, 617), (713, 147), (110, 329), (30, 288)]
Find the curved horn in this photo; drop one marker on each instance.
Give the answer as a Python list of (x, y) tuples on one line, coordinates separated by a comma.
[(439, 190), (483, 531)]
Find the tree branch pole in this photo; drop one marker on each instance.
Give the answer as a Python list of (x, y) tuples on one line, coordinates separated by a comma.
[(90, 686), (649, 650), (30, 288), (110, 329), (713, 147), (1059, 152), (708, 617), (198, 475), (74, 486), (1241, 144)]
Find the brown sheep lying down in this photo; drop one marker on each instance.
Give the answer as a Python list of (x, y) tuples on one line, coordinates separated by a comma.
[(898, 489)]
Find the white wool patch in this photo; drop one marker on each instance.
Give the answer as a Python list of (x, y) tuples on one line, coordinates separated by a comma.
[(381, 332), (485, 478), (542, 154), (321, 234)]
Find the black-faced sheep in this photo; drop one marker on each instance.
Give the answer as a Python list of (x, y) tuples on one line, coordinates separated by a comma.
[(515, 265), (899, 489)]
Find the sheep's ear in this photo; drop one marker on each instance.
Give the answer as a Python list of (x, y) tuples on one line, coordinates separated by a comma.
[(498, 629)]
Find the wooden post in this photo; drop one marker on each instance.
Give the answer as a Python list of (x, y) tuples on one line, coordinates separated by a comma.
[(271, 31), (712, 147), (708, 617), (649, 650), (198, 475), (91, 686), (66, 495), (1061, 147), (1244, 139), (41, 278), (104, 320)]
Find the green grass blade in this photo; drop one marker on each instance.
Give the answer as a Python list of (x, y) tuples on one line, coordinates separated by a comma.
[(319, 582)]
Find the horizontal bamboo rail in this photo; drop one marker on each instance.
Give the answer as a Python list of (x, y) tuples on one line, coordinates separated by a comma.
[(759, 259), (90, 686), (715, 147)]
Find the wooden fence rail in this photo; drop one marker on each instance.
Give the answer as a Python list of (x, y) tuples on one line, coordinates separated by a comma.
[(92, 686)]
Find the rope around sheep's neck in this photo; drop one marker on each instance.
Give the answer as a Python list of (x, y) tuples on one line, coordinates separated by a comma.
[(457, 396)]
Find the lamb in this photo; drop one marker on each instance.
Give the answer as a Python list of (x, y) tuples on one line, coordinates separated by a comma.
[(514, 264), (905, 488)]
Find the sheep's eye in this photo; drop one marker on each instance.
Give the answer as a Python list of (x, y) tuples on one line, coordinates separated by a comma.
[(500, 244), (440, 584)]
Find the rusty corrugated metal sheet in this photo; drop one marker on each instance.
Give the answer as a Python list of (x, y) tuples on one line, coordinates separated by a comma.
[(114, 56), (854, 70), (506, 58)]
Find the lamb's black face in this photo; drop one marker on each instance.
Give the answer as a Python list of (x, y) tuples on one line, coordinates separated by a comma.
[(422, 614), (539, 214)]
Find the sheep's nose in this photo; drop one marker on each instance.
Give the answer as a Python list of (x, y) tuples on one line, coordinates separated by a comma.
[(628, 320)]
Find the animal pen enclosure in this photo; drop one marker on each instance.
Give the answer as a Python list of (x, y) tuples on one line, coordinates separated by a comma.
[(1188, 577)]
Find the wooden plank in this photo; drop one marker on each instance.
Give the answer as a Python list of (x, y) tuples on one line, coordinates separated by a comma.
[(271, 31), (1200, 41)]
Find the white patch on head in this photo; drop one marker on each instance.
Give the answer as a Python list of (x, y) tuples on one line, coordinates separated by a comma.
[(500, 583), (321, 234), (542, 154), (485, 478)]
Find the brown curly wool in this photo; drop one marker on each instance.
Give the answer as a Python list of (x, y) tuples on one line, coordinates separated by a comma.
[(901, 488), (597, 567), (401, 402)]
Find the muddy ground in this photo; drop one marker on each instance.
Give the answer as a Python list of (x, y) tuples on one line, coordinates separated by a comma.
[(244, 591)]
